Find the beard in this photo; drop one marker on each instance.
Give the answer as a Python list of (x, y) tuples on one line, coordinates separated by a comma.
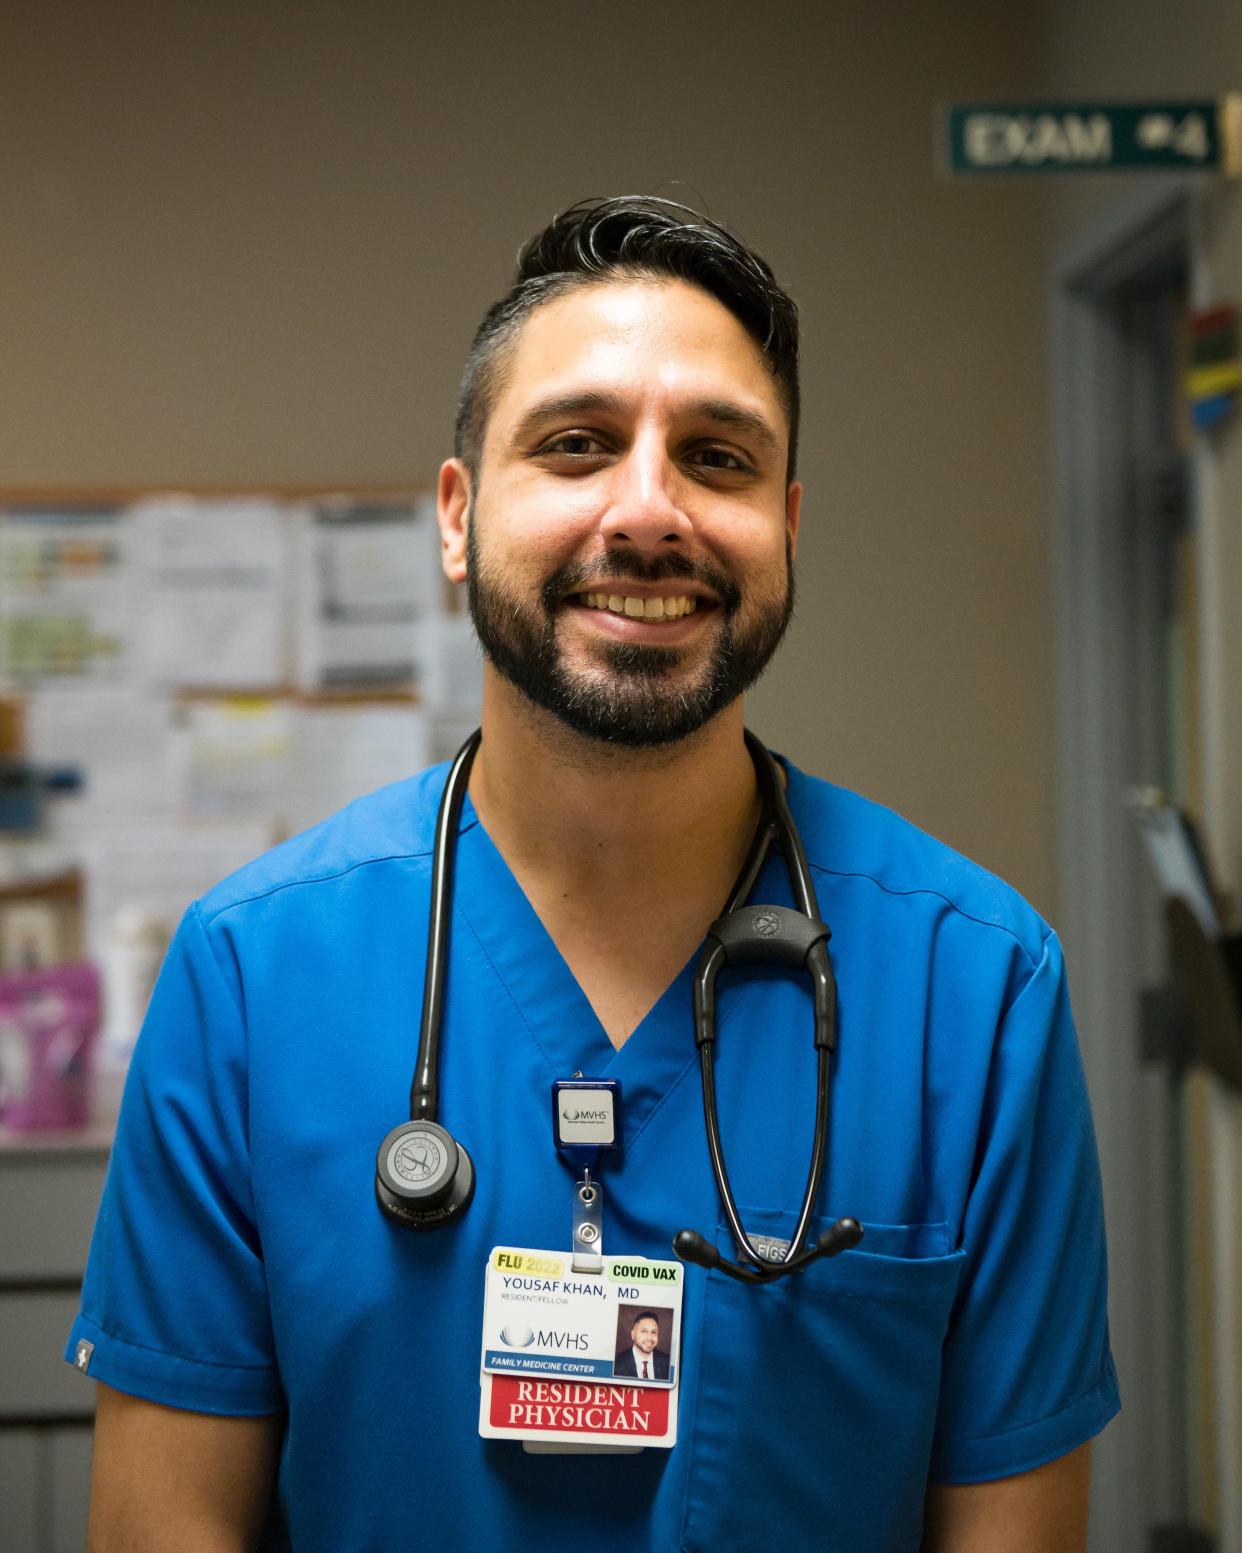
[(632, 695)]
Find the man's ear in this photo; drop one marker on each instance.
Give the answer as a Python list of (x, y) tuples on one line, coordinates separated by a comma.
[(793, 514), (453, 516)]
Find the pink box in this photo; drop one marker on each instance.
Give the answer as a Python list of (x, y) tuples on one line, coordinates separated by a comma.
[(48, 1023)]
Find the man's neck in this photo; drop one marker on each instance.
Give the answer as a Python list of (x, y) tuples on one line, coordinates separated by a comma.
[(626, 855), (592, 814)]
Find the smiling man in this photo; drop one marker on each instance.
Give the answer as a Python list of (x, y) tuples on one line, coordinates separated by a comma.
[(623, 510), (643, 637), (643, 1359)]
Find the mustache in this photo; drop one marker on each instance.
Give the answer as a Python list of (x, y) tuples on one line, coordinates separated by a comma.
[(623, 565)]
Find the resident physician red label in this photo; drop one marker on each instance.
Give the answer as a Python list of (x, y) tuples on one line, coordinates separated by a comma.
[(579, 1406)]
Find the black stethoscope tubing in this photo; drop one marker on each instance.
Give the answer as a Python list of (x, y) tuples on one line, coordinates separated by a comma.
[(425, 1088), (776, 825), (775, 936)]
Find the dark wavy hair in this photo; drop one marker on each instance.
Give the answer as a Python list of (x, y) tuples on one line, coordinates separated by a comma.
[(630, 237)]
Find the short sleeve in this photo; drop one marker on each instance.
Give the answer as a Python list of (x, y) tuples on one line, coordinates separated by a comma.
[(174, 1302), (1027, 1373)]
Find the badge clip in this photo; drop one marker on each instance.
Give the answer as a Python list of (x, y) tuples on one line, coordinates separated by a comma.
[(586, 1119), (588, 1241)]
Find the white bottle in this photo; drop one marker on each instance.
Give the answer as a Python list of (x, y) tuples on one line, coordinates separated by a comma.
[(132, 955)]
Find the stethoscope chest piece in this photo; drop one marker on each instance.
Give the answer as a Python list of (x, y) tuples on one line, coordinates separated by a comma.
[(423, 1176)]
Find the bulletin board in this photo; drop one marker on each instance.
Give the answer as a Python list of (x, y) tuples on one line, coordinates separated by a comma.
[(212, 669)]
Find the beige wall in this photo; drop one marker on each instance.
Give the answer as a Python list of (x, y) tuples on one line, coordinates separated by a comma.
[(255, 252)]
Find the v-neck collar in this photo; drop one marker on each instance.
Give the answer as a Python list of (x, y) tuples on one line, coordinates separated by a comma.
[(550, 1004)]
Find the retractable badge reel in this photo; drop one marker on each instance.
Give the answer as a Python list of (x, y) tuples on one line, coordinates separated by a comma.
[(586, 1123)]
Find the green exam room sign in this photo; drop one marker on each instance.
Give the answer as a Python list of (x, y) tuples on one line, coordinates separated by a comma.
[(993, 137)]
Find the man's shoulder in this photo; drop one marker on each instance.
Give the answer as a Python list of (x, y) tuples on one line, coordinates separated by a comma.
[(394, 822), (849, 837)]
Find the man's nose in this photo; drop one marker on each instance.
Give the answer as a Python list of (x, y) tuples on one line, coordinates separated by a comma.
[(645, 509)]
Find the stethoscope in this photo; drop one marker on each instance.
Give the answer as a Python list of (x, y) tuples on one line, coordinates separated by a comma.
[(424, 1177)]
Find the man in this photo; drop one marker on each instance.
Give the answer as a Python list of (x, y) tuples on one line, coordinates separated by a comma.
[(643, 1359), (275, 1352)]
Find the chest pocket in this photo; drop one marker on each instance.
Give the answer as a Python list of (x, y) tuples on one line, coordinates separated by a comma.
[(815, 1397)]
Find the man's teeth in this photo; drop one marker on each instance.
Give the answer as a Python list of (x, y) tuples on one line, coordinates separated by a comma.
[(640, 609)]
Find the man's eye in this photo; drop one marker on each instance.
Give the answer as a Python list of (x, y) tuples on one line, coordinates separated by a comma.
[(573, 444), (718, 458)]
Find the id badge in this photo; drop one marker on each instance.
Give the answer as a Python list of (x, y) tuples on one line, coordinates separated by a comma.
[(574, 1359)]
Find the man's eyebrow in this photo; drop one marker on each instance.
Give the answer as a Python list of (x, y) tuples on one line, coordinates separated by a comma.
[(724, 412), (557, 406), (738, 418)]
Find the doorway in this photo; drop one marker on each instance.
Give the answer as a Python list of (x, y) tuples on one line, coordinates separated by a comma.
[(1127, 612)]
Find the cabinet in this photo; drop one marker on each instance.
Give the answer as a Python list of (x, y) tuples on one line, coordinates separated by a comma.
[(49, 1191)]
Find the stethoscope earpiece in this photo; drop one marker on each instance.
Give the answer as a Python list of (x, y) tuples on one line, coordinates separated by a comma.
[(690, 1246), (423, 1176)]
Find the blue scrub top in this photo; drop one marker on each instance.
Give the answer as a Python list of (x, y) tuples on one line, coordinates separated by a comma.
[(240, 1263)]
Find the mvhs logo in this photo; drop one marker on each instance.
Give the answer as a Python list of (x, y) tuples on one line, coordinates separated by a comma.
[(575, 1340), (586, 1116), (515, 1336)]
